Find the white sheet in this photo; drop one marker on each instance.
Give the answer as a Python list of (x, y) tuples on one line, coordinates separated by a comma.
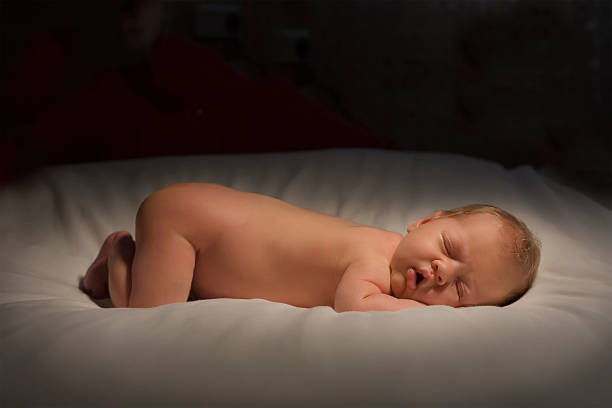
[(551, 348)]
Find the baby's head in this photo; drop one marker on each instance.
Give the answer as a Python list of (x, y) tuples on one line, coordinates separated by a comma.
[(467, 256)]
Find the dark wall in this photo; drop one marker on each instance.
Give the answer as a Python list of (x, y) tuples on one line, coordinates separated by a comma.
[(513, 81)]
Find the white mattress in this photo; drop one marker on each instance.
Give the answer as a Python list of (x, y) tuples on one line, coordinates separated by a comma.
[(551, 348)]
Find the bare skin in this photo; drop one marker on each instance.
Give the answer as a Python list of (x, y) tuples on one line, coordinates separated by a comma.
[(216, 242)]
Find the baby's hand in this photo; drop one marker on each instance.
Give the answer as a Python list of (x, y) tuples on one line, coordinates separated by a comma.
[(365, 287)]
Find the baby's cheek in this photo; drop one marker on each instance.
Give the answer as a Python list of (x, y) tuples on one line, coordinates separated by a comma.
[(399, 262), (436, 296)]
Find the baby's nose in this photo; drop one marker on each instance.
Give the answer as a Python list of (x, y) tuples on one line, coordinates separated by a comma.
[(440, 273), (435, 272)]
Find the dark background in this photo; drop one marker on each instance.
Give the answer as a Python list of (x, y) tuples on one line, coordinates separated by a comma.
[(518, 82)]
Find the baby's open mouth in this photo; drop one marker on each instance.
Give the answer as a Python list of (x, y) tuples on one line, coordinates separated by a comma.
[(419, 277), (410, 280)]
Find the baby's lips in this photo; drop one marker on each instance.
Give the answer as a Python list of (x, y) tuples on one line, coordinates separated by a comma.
[(426, 274), (411, 278)]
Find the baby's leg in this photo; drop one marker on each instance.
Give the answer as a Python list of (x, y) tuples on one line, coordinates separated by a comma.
[(119, 266), (95, 282), (158, 268), (163, 275), (161, 271)]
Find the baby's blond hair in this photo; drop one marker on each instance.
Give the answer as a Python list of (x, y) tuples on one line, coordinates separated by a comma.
[(525, 245)]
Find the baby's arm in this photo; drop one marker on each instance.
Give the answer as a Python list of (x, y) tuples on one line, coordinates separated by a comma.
[(363, 288)]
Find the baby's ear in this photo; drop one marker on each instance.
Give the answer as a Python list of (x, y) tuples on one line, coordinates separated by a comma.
[(416, 224)]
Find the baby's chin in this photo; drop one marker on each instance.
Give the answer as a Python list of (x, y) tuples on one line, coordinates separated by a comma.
[(399, 285)]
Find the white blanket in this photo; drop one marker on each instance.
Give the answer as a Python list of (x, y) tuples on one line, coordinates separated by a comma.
[(58, 347)]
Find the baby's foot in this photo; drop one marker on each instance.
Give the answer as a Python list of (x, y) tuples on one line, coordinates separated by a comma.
[(95, 282), (119, 263)]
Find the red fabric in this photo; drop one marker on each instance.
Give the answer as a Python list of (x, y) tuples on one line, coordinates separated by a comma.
[(195, 103), (37, 74)]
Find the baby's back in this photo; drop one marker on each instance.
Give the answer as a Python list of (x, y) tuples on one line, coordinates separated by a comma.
[(254, 246)]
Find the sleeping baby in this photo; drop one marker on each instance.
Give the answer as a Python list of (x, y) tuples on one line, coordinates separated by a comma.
[(207, 241)]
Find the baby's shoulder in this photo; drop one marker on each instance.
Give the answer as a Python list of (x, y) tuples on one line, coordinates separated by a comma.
[(371, 242)]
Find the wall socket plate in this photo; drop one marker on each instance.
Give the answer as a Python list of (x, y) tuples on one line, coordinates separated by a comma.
[(217, 21), (290, 46)]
